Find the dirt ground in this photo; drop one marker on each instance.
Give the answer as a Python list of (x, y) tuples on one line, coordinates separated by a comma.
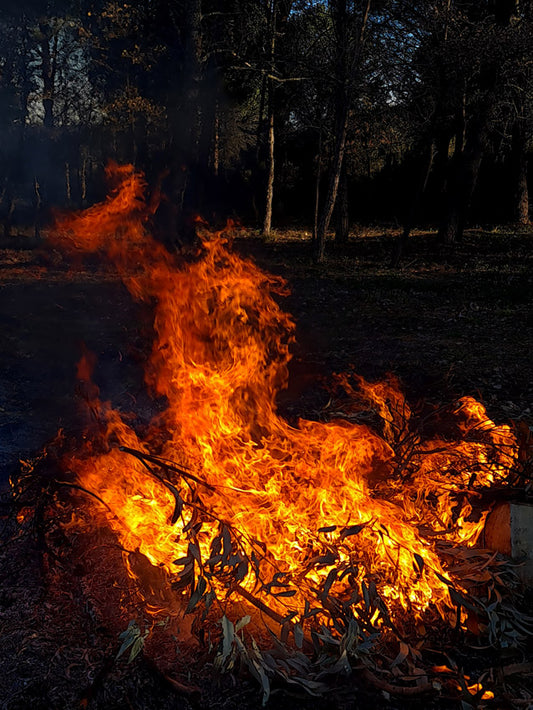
[(447, 323), (48, 314)]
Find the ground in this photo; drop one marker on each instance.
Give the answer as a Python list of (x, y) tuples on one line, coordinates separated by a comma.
[(447, 323)]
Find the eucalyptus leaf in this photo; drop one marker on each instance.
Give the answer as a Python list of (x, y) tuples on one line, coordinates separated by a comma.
[(228, 634)]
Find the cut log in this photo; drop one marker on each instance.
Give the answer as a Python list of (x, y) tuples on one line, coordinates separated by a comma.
[(509, 529)]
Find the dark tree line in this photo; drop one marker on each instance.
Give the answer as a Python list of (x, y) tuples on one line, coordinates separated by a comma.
[(313, 112)]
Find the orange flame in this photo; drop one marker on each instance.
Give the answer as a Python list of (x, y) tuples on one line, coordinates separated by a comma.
[(308, 494)]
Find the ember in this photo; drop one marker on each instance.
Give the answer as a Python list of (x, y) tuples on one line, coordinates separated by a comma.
[(333, 531)]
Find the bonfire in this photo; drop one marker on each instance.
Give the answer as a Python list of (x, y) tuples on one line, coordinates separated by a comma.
[(303, 551)]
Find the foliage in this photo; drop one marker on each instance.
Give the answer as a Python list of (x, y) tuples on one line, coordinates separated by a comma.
[(182, 90)]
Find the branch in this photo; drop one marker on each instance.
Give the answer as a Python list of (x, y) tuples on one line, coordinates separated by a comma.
[(85, 490), (398, 690), (164, 463)]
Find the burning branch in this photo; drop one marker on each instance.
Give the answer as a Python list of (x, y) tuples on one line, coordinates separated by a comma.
[(340, 533)]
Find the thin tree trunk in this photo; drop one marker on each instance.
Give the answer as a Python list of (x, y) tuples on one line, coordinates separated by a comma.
[(8, 222), (461, 192), (25, 87), (333, 186), (47, 75), (475, 138), (345, 70), (317, 186), (343, 218), (267, 223), (216, 140), (401, 243), (460, 127), (520, 169), (269, 197), (83, 179), (194, 27), (68, 189), (441, 161), (463, 182), (435, 150), (260, 115), (38, 203)]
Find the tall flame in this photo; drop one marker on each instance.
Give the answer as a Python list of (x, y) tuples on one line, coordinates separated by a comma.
[(307, 496)]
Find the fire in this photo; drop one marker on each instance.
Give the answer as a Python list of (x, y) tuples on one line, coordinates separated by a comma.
[(295, 511)]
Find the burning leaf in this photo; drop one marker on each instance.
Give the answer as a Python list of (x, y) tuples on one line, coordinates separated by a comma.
[(298, 635), (177, 510), (197, 595), (242, 571), (183, 561), (352, 530), (194, 551), (332, 576), (418, 562)]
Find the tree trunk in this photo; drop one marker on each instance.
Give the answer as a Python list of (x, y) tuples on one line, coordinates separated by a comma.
[(460, 128), (194, 51), (441, 162), (343, 217), (38, 204), (333, 186), (345, 69), (83, 177), (475, 137), (215, 160), (464, 178), (8, 221), (68, 187), (267, 223), (184, 181), (520, 169), (25, 86), (47, 75), (269, 197), (460, 195), (260, 117), (427, 164), (317, 186)]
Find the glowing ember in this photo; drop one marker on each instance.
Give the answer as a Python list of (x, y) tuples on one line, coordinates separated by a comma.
[(306, 509)]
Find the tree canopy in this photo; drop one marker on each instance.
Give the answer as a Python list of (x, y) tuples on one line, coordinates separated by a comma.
[(308, 112)]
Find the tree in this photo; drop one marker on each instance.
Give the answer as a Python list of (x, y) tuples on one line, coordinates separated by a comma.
[(486, 29), (349, 27), (270, 108), (269, 197)]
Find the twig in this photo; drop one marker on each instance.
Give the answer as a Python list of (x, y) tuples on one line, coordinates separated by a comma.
[(166, 464), (84, 490), (398, 690), (178, 501), (192, 691), (516, 669), (259, 604)]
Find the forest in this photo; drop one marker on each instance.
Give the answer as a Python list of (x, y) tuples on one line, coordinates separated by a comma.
[(316, 114)]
